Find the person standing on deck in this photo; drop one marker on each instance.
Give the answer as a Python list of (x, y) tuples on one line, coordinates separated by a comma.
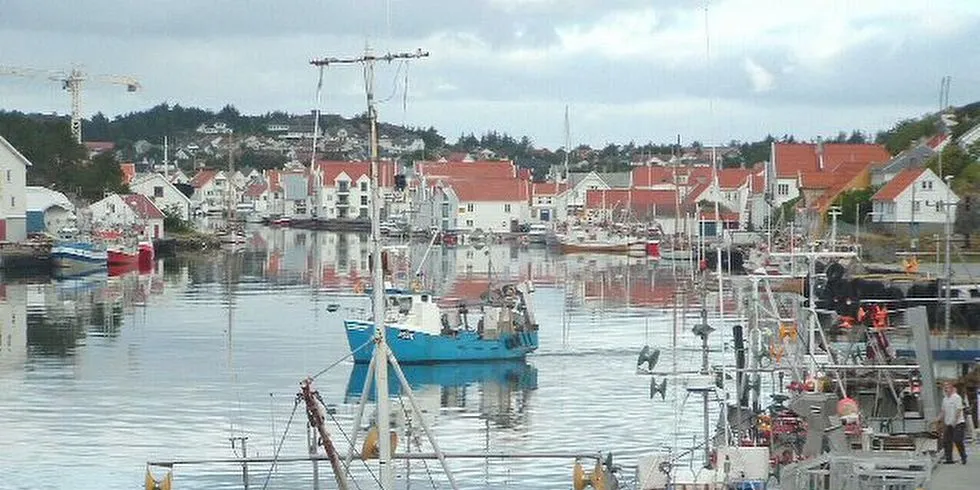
[(954, 423)]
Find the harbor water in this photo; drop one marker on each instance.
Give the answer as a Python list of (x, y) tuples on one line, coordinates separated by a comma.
[(99, 375)]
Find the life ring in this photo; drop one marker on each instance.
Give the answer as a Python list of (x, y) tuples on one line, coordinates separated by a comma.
[(359, 287), (417, 286)]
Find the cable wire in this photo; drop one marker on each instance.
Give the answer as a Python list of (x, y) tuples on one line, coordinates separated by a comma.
[(342, 359), (282, 440)]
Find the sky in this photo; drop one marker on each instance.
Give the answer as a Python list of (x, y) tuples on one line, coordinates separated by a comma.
[(628, 70)]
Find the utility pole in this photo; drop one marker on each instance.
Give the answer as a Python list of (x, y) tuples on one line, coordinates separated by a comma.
[(857, 227), (381, 352), (949, 270)]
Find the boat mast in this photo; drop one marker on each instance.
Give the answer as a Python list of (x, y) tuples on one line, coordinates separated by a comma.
[(382, 355), (314, 168), (568, 147)]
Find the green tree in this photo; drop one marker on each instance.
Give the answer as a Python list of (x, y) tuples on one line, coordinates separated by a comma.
[(903, 134), (954, 161), (855, 204)]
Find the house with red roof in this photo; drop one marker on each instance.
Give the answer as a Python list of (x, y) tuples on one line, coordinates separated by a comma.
[(660, 206), (492, 204), (546, 206), (915, 195), (341, 189), (790, 160), (162, 193), (452, 170), (210, 188), (128, 213)]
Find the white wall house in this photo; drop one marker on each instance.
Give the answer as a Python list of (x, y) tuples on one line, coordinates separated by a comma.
[(914, 195), (345, 190), (579, 184), (492, 204), (162, 193), (546, 207), (128, 212), (436, 207), (13, 193), (210, 189)]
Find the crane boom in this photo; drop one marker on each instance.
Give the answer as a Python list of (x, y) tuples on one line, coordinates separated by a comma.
[(72, 82)]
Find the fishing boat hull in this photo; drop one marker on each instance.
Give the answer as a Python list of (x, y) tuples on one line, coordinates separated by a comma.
[(73, 258), (419, 347), (122, 257), (608, 248), (146, 255)]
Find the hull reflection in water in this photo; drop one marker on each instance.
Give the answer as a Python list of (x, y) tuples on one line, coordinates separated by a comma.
[(515, 375)]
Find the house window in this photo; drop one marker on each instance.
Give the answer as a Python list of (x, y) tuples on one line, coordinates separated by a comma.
[(469, 208), (363, 186), (927, 185), (939, 206), (506, 208), (916, 205), (363, 214), (343, 186), (364, 201), (13, 202), (469, 223), (158, 191), (112, 208), (9, 176), (783, 189)]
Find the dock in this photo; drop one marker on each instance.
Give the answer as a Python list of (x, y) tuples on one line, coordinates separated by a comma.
[(958, 476)]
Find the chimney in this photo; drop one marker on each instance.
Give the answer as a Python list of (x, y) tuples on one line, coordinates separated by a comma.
[(819, 153)]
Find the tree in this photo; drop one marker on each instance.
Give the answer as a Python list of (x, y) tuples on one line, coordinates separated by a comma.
[(903, 134), (855, 204), (954, 161)]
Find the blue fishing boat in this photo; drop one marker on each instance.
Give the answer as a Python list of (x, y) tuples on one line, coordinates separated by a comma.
[(74, 255), (500, 326)]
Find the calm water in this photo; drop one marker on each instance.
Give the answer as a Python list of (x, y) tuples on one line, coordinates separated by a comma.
[(100, 375)]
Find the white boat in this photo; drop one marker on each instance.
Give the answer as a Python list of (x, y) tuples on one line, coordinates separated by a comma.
[(72, 254)]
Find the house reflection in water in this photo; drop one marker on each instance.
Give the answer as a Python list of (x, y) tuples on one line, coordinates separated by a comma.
[(13, 327)]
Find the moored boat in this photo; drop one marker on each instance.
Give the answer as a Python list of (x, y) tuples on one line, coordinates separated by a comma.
[(419, 331), (73, 255)]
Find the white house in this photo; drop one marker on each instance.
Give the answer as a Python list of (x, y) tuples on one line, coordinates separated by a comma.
[(436, 207), (162, 193), (179, 177), (48, 211), (915, 195), (345, 193), (258, 196), (546, 207), (13, 193), (210, 191), (580, 183), (132, 212), (496, 205)]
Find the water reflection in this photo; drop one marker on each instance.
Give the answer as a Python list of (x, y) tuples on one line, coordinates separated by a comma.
[(172, 362), (499, 391)]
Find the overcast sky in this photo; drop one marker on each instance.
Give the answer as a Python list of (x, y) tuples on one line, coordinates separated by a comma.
[(641, 70)]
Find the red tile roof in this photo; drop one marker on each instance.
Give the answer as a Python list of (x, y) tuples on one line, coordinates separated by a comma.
[(817, 180), (502, 169), (937, 140), (898, 184), (142, 206), (643, 202), (256, 190), (355, 170), (273, 176), (792, 158), (128, 172), (724, 215), (99, 146), (484, 190), (653, 176), (202, 177), (547, 188)]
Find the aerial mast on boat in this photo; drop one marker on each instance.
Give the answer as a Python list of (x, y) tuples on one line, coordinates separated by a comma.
[(382, 354)]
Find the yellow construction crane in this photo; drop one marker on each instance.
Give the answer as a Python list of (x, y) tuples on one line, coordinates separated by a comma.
[(72, 82)]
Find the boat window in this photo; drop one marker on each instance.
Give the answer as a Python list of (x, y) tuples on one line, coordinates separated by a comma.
[(425, 298)]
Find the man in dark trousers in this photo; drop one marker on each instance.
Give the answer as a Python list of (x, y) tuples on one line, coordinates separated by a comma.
[(954, 423)]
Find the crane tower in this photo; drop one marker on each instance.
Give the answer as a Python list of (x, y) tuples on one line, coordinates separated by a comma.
[(72, 82)]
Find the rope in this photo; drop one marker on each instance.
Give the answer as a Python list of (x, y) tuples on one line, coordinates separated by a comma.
[(275, 457), (342, 359), (351, 444), (418, 444)]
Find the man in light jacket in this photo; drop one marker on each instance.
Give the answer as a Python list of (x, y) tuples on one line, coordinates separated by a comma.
[(954, 423)]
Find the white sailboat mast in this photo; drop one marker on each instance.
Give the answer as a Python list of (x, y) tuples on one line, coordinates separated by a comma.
[(568, 144), (377, 282)]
